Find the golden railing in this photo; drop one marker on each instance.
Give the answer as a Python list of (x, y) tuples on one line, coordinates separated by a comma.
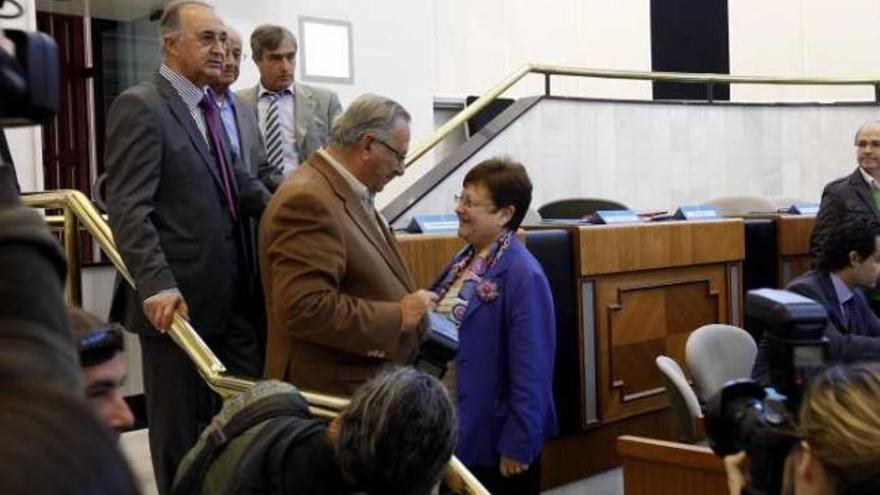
[(710, 80), (78, 211)]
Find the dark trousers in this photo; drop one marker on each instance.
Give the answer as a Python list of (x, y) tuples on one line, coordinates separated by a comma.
[(179, 402), (525, 483)]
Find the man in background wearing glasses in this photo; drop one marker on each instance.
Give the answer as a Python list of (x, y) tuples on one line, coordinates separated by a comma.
[(340, 300)]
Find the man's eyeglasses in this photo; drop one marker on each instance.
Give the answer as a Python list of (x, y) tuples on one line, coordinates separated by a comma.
[(864, 143), (401, 157), (100, 345)]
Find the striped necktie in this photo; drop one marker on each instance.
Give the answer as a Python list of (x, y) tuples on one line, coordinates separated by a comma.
[(274, 142)]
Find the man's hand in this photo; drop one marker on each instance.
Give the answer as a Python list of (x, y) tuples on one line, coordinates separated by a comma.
[(736, 466), (414, 306), (509, 467), (161, 307)]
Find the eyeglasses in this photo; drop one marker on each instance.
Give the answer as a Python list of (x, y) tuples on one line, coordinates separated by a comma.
[(401, 157), (100, 345), (466, 201)]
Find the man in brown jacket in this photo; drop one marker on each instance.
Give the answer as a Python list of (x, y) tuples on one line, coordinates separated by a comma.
[(339, 298)]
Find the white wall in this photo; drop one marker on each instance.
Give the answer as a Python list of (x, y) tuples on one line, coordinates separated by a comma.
[(478, 43), (656, 156), (804, 38), (26, 143)]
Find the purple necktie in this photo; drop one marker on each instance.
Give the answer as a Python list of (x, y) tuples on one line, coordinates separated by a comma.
[(209, 108)]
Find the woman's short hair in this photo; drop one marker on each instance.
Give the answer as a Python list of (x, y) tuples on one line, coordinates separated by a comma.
[(840, 420), (507, 182), (397, 434), (53, 444)]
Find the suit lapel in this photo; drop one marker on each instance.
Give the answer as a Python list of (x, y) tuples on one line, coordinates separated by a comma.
[(495, 275), (827, 287), (863, 190), (361, 218), (181, 112), (304, 109)]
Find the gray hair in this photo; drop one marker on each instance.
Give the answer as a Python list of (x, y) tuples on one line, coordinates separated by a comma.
[(169, 23), (269, 37), (398, 433), (367, 113)]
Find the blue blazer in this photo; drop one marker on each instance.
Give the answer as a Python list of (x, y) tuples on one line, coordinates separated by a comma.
[(504, 366)]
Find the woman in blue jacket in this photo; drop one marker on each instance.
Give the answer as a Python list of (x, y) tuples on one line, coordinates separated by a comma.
[(497, 295)]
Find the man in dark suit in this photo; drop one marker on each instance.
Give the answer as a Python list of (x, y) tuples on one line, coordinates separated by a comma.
[(239, 120), (305, 113), (856, 195), (848, 262), (177, 201), (340, 300)]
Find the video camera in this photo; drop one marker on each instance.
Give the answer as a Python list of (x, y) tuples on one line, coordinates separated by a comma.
[(745, 416), (28, 87), (28, 74)]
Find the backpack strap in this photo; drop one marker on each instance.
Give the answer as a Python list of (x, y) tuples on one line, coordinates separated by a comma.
[(263, 409)]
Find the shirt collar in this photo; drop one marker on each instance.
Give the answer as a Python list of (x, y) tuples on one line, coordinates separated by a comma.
[(359, 189), (189, 92), (872, 182), (843, 292), (228, 98), (261, 91)]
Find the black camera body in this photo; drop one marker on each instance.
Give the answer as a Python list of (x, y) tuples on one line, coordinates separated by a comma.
[(745, 416)]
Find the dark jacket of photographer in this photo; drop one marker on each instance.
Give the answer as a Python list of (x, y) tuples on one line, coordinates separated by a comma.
[(849, 341)]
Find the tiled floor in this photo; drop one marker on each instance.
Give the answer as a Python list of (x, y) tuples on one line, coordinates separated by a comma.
[(137, 449)]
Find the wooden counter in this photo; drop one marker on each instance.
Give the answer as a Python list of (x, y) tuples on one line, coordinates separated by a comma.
[(655, 467), (426, 255), (644, 288)]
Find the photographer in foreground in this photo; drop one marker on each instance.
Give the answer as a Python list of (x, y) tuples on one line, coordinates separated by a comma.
[(839, 431)]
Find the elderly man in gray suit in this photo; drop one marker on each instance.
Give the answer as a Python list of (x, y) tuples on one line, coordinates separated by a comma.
[(178, 201), (295, 118), (240, 122)]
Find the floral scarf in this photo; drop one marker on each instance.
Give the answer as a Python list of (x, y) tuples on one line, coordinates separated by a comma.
[(466, 264)]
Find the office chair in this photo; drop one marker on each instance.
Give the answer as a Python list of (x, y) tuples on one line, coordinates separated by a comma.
[(576, 208), (718, 353), (682, 399)]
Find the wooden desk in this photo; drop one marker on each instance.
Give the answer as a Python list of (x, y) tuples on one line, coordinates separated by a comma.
[(427, 254), (656, 467), (644, 288), (793, 245)]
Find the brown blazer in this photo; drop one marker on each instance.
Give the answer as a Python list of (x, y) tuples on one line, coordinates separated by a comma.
[(333, 278)]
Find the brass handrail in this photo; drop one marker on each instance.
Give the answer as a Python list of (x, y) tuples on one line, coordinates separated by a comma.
[(77, 209), (561, 70)]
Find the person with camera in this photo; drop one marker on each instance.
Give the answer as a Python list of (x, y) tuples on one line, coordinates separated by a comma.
[(497, 296), (848, 263), (839, 432)]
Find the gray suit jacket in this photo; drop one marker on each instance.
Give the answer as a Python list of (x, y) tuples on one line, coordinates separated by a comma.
[(316, 109), (843, 199), (167, 209), (253, 148)]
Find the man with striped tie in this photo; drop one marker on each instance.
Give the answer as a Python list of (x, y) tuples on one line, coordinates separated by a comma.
[(294, 118)]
